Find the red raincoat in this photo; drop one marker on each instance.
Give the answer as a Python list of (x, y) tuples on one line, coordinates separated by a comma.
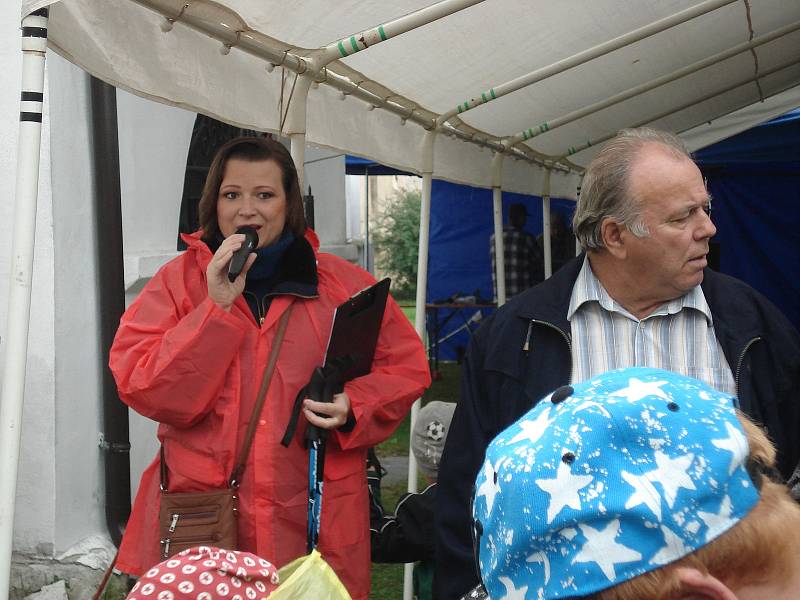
[(181, 360)]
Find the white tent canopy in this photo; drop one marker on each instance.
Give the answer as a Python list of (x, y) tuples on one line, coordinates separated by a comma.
[(433, 69), (541, 82)]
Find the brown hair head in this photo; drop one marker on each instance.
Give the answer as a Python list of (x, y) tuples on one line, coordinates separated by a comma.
[(251, 149), (604, 190), (758, 549)]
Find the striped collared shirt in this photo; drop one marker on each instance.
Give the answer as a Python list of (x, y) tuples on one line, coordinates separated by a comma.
[(678, 336)]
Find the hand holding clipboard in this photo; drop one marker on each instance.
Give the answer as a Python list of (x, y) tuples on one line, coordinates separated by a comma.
[(349, 353)]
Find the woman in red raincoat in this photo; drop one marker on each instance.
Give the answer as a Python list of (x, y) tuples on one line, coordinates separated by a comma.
[(191, 350)]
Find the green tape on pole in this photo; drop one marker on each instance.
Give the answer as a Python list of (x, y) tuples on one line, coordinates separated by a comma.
[(491, 93), (354, 43), (459, 109), (483, 95), (342, 51), (530, 132), (571, 151), (466, 105), (524, 135), (382, 33)]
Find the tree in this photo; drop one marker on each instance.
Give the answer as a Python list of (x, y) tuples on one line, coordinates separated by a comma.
[(396, 241)]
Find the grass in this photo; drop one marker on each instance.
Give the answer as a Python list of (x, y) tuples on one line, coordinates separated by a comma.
[(410, 311), (446, 389)]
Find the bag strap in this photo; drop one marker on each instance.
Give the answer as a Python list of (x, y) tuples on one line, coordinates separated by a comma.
[(262, 394), (236, 475)]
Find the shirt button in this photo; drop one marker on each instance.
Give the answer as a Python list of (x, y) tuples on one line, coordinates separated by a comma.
[(262, 422)]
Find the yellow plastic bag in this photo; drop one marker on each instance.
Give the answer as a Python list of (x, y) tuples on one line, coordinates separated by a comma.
[(309, 577)]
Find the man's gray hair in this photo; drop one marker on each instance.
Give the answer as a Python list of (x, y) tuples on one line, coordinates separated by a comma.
[(604, 190)]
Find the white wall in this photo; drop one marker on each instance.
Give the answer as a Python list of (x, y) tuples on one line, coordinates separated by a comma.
[(324, 172), (80, 490)]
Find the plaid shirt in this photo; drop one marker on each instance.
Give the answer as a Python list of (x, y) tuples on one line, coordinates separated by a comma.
[(521, 258)]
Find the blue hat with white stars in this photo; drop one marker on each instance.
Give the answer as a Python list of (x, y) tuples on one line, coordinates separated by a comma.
[(608, 479)]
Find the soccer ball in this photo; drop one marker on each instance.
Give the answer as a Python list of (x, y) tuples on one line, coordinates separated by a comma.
[(435, 430)]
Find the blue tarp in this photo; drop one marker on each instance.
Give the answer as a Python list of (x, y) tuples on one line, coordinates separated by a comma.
[(355, 165), (754, 180), (753, 177), (459, 261)]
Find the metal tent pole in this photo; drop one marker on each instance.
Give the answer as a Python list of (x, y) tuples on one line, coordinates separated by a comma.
[(34, 45), (640, 89), (419, 318), (499, 246), (675, 109), (584, 56), (548, 250)]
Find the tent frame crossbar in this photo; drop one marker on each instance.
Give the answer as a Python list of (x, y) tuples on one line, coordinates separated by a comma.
[(784, 65), (650, 85), (583, 57)]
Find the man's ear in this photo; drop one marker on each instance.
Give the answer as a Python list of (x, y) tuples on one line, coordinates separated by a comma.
[(701, 586), (612, 233)]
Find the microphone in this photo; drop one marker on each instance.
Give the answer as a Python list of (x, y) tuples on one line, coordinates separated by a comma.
[(240, 256)]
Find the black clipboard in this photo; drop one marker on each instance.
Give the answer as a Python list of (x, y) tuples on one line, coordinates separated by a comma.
[(351, 348), (355, 330)]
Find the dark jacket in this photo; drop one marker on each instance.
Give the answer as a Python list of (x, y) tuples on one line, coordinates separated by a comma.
[(407, 535), (523, 352)]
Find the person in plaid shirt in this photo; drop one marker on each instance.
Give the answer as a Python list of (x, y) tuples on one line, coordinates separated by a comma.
[(522, 254)]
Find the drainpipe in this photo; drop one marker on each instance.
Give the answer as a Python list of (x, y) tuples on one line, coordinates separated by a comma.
[(114, 441)]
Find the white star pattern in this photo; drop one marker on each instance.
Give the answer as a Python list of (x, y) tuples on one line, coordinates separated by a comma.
[(512, 593), (717, 522), (644, 493), (638, 389), (673, 548), (600, 548), (672, 475), (488, 488), (532, 430), (541, 557), (735, 443), (563, 490)]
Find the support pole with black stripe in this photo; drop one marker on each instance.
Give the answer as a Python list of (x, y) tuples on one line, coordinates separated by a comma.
[(34, 44)]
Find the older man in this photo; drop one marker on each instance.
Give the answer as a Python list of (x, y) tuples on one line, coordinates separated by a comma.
[(640, 296)]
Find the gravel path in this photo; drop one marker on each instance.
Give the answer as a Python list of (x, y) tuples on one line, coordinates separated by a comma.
[(397, 470)]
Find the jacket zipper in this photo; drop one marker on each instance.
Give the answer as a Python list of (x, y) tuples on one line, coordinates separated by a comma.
[(262, 312), (741, 360), (526, 347)]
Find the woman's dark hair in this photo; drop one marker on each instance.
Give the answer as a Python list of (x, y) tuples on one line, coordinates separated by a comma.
[(251, 149)]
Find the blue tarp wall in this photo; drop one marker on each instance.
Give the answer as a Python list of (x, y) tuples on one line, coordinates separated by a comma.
[(754, 180), (753, 177), (459, 261)]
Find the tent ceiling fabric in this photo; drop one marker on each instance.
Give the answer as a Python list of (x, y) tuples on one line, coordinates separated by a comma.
[(449, 61)]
